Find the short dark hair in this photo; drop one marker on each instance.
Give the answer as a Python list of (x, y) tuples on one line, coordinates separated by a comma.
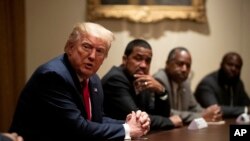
[(135, 43), (173, 52)]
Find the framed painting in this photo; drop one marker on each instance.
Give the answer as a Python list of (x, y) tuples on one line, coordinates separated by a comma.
[(147, 11)]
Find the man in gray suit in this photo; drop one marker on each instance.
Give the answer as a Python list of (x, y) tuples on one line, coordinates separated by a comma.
[(175, 79)]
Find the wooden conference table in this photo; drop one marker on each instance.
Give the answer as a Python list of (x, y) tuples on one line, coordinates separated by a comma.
[(211, 133)]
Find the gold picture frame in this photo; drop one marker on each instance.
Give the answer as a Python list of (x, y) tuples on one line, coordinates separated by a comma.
[(146, 13)]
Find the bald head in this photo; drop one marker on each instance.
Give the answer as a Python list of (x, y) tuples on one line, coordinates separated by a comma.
[(232, 56), (178, 64)]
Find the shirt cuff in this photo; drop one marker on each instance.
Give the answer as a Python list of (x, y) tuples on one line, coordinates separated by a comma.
[(164, 97), (127, 131), (246, 110)]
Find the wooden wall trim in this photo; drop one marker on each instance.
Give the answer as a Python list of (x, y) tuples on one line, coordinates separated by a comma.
[(12, 57)]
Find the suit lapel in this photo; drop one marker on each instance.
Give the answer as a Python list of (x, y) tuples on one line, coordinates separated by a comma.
[(95, 100), (71, 76)]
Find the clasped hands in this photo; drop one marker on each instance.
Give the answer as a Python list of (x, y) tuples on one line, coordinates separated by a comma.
[(139, 123), (212, 113)]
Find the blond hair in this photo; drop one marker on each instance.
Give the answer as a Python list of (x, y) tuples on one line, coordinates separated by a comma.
[(87, 28)]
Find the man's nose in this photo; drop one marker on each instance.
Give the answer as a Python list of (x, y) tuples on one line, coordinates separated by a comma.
[(234, 68), (143, 64), (92, 53), (184, 68)]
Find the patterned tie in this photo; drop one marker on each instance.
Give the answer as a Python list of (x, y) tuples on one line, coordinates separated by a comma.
[(86, 99)]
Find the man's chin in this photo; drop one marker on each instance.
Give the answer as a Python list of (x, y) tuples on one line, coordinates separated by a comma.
[(182, 80), (87, 73)]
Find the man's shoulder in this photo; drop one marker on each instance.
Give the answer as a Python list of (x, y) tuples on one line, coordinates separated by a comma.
[(57, 65), (115, 74), (212, 76), (115, 71), (53, 63), (211, 80), (159, 74)]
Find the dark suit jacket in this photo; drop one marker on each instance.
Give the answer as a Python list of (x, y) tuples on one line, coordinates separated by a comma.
[(211, 90), (50, 107), (120, 99)]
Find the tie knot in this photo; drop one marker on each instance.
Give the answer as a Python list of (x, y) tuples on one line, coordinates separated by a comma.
[(84, 83)]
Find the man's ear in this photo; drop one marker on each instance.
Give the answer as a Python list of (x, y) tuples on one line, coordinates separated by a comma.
[(68, 47), (221, 64), (124, 59)]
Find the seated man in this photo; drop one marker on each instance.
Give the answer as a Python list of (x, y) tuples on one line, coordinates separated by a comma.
[(174, 78), (130, 87), (225, 88), (62, 101)]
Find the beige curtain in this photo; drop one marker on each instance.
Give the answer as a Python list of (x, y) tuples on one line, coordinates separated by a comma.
[(12, 58)]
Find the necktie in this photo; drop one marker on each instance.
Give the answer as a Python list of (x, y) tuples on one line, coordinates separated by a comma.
[(175, 96), (86, 99), (231, 96)]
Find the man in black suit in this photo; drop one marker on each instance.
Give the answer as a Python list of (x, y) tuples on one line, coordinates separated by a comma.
[(52, 107), (225, 88), (130, 87)]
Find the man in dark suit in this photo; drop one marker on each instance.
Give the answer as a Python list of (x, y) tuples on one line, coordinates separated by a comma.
[(225, 88), (53, 105), (130, 87)]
